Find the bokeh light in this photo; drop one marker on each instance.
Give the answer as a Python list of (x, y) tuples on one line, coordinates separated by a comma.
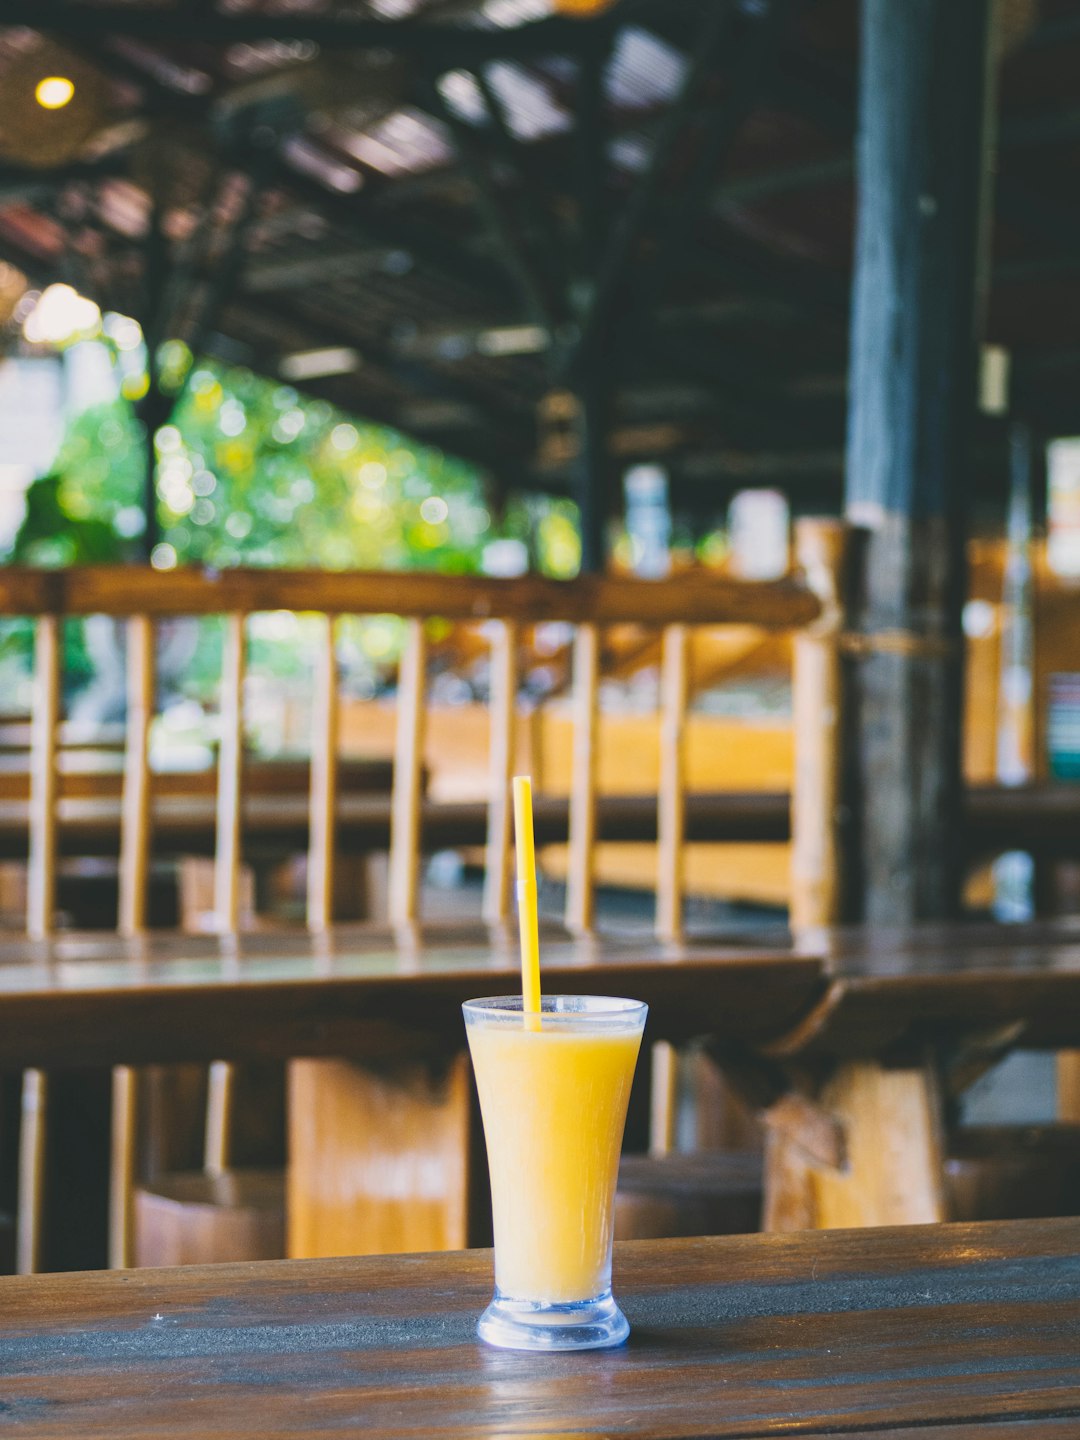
[(54, 92)]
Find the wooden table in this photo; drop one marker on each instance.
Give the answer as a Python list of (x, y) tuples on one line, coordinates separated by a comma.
[(370, 1021), (908, 1019), (927, 1333), (369, 991)]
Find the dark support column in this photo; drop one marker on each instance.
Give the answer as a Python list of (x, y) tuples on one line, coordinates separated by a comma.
[(922, 166), (593, 362)]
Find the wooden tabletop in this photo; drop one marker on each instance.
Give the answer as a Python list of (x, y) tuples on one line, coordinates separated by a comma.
[(897, 989), (967, 1332), (86, 1000)]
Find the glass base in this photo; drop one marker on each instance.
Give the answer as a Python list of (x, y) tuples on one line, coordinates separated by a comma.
[(532, 1325)]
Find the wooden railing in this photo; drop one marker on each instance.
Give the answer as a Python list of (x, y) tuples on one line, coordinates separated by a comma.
[(143, 596), (805, 603)]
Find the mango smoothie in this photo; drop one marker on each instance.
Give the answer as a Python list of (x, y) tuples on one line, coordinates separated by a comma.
[(553, 1095)]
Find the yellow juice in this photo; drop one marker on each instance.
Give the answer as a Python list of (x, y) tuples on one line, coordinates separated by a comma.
[(554, 1106)]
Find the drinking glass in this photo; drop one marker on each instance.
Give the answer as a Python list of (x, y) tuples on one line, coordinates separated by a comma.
[(553, 1094)]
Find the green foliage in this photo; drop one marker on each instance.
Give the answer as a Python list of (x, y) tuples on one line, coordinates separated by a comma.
[(251, 472), (86, 512)]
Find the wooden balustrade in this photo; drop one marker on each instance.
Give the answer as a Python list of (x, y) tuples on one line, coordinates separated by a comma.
[(144, 597)]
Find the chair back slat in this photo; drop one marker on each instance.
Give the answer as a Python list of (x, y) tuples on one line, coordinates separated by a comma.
[(30, 1200), (663, 1097), (230, 763), (403, 890), (324, 773), (217, 1141), (41, 877), (135, 811), (502, 710), (580, 880), (671, 799), (123, 1141)]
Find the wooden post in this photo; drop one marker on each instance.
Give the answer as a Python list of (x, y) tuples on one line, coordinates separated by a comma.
[(580, 881), (134, 872), (922, 163), (41, 879), (502, 712), (671, 798), (404, 882), (230, 765), (40, 919), (324, 767), (135, 819), (818, 707), (219, 1095)]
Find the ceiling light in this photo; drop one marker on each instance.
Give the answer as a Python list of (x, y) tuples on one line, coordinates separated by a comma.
[(315, 364), (54, 92), (513, 340)]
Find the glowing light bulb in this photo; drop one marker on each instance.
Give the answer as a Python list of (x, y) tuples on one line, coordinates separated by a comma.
[(54, 92)]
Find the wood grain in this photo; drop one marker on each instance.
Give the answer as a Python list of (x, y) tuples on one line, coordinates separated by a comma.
[(960, 1332)]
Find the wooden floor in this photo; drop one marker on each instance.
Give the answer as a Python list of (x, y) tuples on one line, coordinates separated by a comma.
[(965, 1332)]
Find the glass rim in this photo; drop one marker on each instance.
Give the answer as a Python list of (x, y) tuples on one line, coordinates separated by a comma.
[(587, 1008)]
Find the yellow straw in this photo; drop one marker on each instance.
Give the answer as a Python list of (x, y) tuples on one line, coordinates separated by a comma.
[(526, 893)]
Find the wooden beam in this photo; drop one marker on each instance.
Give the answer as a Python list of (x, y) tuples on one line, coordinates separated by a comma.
[(449, 45), (644, 201), (491, 201)]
